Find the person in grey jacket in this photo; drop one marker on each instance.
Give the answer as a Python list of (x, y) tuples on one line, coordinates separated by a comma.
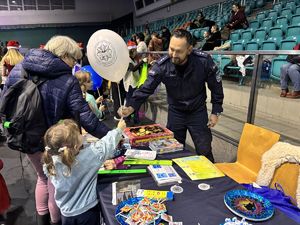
[(73, 170)]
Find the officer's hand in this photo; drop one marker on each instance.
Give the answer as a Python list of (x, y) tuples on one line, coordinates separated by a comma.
[(213, 120), (125, 111)]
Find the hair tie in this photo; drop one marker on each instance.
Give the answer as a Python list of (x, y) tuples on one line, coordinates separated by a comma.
[(47, 148), (62, 149)]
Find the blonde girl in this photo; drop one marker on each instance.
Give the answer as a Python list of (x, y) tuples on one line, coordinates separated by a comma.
[(73, 169), (85, 82)]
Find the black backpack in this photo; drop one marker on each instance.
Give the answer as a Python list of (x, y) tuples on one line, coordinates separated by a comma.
[(22, 115)]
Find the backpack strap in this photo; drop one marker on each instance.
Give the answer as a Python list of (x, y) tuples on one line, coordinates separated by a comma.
[(34, 78)]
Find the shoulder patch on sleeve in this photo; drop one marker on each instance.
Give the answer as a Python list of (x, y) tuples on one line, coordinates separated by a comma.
[(200, 53), (162, 59)]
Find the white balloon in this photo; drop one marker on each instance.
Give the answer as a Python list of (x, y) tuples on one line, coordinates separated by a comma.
[(108, 55)]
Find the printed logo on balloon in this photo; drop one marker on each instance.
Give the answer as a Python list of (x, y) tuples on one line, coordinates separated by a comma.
[(106, 53)]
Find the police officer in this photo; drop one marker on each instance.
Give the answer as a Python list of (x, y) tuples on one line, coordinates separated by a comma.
[(184, 72)]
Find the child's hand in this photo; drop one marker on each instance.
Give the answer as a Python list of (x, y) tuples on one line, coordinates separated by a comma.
[(99, 100), (109, 164), (122, 124), (102, 108)]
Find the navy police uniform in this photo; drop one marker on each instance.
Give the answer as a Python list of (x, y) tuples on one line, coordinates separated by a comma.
[(186, 93)]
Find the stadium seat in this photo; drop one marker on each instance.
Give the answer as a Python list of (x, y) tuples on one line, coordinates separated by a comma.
[(235, 35), (295, 20), (277, 40), (260, 33), (251, 45), (254, 142), (254, 24), (287, 12), (287, 44), (275, 32), (268, 45), (237, 46), (282, 22), (291, 6), (276, 65), (293, 30), (277, 7), (267, 23), (297, 10), (246, 35), (273, 14), (260, 16)]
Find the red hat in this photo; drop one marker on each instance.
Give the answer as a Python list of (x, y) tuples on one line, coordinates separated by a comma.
[(12, 44), (80, 45), (131, 45)]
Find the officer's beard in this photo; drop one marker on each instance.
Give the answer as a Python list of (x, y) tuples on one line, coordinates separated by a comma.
[(177, 61)]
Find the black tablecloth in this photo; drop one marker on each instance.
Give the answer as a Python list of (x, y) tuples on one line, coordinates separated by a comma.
[(191, 207)]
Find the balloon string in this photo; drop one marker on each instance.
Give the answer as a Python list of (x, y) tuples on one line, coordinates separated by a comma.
[(120, 98)]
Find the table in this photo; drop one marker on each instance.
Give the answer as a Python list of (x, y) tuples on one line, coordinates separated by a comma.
[(191, 207)]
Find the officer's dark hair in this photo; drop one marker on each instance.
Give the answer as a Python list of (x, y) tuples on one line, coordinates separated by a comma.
[(181, 33)]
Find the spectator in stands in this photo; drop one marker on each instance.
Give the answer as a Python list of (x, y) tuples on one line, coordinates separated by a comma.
[(214, 39), (62, 98), (185, 72), (10, 59), (141, 45), (202, 22), (133, 38), (155, 44), (238, 18), (290, 71), (147, 37), (165, 36), (225, 46)]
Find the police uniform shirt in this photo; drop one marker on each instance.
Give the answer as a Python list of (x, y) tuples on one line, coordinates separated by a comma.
[(185, 85)]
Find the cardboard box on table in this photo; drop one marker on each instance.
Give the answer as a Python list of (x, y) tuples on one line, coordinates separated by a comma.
[(142, 135)]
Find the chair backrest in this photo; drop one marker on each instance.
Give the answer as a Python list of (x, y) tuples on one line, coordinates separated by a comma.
[(273, 14), (275, 32), (254, 24), (268, 45), (286, 12), (282, 21), (297, 10), (254, 142), (287, 44), (295, 20), (293, 30), (246, 35), (234, 36), (261, 34), (260, 16), (252, 45), (266, 23), (237, 46), (276, 65)]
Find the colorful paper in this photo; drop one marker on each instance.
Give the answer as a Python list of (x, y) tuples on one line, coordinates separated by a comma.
[(198, 167)]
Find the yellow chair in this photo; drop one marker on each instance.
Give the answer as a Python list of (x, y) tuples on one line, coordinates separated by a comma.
[(253, 143)]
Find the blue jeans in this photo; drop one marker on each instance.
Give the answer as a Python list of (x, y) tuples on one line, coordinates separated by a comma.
[(291, 72)]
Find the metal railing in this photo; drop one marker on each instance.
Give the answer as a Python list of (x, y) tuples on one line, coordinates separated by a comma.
[(258, 62)]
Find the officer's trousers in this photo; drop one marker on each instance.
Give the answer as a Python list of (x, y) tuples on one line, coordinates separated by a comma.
[(196, 123)]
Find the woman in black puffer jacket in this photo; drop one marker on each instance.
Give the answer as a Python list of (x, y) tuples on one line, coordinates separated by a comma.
[(62, 98)]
